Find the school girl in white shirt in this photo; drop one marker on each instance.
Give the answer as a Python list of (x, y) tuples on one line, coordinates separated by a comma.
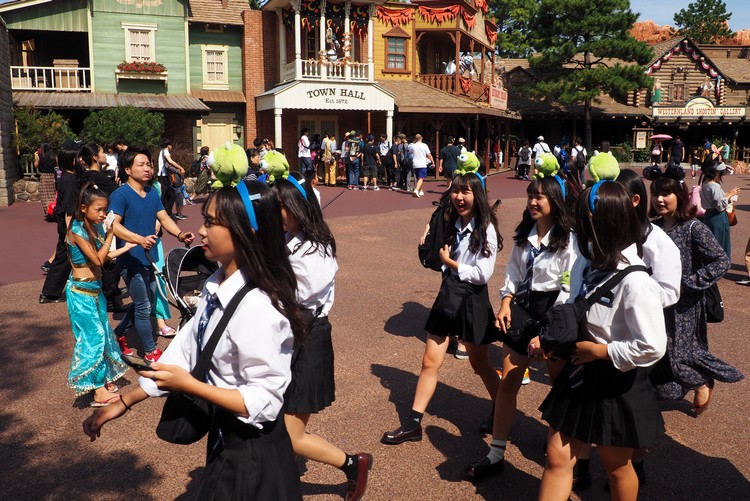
[(469, 256), (249, 451), (312, 253), (603, 396), (536, 278)]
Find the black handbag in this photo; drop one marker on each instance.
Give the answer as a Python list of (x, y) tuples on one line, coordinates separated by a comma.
[(714, 305), (110, 279), (451, 297), (185, 418), (561, 324), (521, 323)]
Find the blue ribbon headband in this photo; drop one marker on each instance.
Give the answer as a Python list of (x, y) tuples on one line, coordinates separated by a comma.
[(481, 179), (593, 197), (247, 199), (298, 185), (561, 182)]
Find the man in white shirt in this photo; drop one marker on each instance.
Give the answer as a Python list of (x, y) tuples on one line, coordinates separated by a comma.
[(167, 166), (578, 158), (539, 148), (303, 152), (421, 157)]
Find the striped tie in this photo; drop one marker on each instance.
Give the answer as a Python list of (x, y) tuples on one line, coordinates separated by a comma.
[(524, 288)]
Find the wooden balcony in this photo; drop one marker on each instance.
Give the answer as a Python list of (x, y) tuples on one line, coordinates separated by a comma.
[(335, 71), (447, 83), (50, 79)]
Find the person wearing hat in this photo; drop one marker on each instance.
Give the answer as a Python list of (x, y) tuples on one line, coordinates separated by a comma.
[(462, 144), (539, 148), (715, 202), (353, 147)]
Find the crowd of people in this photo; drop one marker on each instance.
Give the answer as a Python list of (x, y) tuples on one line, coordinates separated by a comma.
[(277, 260)]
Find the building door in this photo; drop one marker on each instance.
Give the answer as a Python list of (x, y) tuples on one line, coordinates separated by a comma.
[(319, 125), (216, 129)]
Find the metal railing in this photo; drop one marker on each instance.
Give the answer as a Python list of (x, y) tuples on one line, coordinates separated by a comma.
[(48, 78)]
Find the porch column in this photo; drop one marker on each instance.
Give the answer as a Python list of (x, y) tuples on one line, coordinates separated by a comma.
[(389, 124), (457, 83), (277, 127), (347, 41), (370, 42), (322, 56), (282, 43), (297, 39)]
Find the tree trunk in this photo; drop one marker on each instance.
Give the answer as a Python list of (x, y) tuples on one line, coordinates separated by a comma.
[(587, 126)]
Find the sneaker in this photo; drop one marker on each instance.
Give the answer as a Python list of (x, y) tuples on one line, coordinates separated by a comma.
[(363, 188), (181, 217), (124, 346), (416, 194), (48, 299), (421, 193), (375, 188), (189, 201), (350, 187), (745, 281), (526, 377), (153, 356), (46, 266), (461, 354)]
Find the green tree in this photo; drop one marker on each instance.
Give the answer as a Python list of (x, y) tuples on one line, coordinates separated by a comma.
[(514, 25), (133, 125), (35, 127), (586, 51), (705, 22)]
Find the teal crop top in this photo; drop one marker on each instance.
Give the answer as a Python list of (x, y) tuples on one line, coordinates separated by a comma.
[(77, 257)]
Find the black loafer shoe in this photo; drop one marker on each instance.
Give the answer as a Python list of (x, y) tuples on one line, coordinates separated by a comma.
[(483, 469), (46, 299), (400, 436)]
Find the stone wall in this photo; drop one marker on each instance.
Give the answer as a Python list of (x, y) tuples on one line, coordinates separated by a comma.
[(9, 168)]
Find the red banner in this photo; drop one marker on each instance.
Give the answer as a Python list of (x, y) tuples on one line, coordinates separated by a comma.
[(482, 5), (470, 21), (394, 17), (439, 15), (491, 35)]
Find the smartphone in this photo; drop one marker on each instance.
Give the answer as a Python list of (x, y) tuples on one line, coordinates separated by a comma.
[(109, 219), (137, 363)]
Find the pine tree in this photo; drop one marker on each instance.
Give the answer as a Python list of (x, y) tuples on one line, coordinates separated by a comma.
[(514, 26), (705, 21), (585, 51)]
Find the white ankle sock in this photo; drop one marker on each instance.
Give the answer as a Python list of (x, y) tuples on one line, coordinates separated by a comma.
[(497, 451)]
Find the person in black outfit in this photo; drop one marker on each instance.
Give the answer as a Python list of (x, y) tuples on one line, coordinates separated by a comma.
[(449, 159), (371, 157), (677, 152), (67, 193)]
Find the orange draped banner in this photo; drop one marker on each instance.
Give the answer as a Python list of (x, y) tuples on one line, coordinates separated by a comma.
[(394, 17), (482, 4), (491, 35), (439, 15), (470, 21), (465, 84)]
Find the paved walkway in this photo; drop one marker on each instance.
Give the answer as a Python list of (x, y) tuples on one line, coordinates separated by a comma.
[(382, 299)]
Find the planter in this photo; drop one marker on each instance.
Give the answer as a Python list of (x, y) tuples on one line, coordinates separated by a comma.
[(134, 75)]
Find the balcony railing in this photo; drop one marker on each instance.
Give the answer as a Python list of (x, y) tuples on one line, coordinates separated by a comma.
[(48, 78), (311, 69), (447, 83)]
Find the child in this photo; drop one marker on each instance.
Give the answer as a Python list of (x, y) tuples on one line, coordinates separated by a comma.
[(537, 277), (603, 396), (468, 263), (313, 257), (250, 454), (96, 359), (695, 160), (161, 303)]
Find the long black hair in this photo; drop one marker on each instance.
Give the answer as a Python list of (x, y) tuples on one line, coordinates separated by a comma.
[(263, 254), (486, 219), (308, 213), (89, 192), (67, 160), (635, 186), (560, 232), (88, 152)]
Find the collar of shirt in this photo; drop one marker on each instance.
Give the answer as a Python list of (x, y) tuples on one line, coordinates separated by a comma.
[(631, 254), (225, 290), (295, 240), (533, 237), (464, 229)]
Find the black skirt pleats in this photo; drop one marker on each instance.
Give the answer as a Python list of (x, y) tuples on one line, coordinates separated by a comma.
[(313, 387), (474, 322), (610, 408), (253, 464), (539, 304)]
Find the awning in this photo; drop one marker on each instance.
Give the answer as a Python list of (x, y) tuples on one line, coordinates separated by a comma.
[(219, 96), (88, 101), (326, 95)]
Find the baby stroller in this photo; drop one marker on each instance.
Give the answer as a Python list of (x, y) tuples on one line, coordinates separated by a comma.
[(185, 272)]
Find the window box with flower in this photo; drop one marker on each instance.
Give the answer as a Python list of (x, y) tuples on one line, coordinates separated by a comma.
[(141, 70)]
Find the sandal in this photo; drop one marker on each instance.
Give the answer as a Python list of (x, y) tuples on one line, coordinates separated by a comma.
[(167, 332), (699, 409), (105, 403), (111, 387)]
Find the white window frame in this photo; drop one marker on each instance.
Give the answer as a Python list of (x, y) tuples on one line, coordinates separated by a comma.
[(317, 127), (215, 85), (148, 27)]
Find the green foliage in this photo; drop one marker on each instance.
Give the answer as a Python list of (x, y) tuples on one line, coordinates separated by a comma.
[(705, 22), (133, 125), (514, 25), (586, 52), (622, 152), (35, 127), (255, 4), (641, 156)]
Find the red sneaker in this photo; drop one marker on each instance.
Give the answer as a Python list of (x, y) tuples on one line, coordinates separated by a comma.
[(124, 346), (153, 356)]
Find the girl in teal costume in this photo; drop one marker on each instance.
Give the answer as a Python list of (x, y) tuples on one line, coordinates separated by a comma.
[(161, 304), (96, 359)]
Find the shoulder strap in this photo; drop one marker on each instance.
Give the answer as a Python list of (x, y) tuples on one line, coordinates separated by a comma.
[(610, 284), (201, 366)]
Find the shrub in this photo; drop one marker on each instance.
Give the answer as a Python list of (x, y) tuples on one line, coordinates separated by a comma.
[(35, 127), (622, 152), (132, 125)]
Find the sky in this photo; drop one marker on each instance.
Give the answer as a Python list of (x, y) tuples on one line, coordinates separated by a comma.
[(662, 11)]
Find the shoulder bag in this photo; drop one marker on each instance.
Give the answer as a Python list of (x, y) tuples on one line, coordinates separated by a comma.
[(185, 418)]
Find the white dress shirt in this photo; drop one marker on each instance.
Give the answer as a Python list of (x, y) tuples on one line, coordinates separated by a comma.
[(315, 274), (663, 257), (552, 270), (253, 355), (474, 267), (632, 325)]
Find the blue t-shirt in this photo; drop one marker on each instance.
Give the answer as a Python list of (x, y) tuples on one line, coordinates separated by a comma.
[(139, 216)]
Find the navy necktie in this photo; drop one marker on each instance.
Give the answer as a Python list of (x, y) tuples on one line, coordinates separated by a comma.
[(211, 303), (524, 288)]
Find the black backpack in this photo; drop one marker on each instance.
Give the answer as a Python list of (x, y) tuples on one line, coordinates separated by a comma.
[(525, 155), (429, 252), (580, 159)]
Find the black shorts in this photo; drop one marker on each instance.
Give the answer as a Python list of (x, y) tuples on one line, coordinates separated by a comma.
[(369, 171)]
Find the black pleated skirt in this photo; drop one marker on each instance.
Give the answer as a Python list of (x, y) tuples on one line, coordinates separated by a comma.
[(610, 408), (252, 464), (474, 323), (313, 387), (539, 304)]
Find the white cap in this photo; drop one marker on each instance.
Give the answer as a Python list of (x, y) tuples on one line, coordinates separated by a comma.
[(461, 140), (540, 138)]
